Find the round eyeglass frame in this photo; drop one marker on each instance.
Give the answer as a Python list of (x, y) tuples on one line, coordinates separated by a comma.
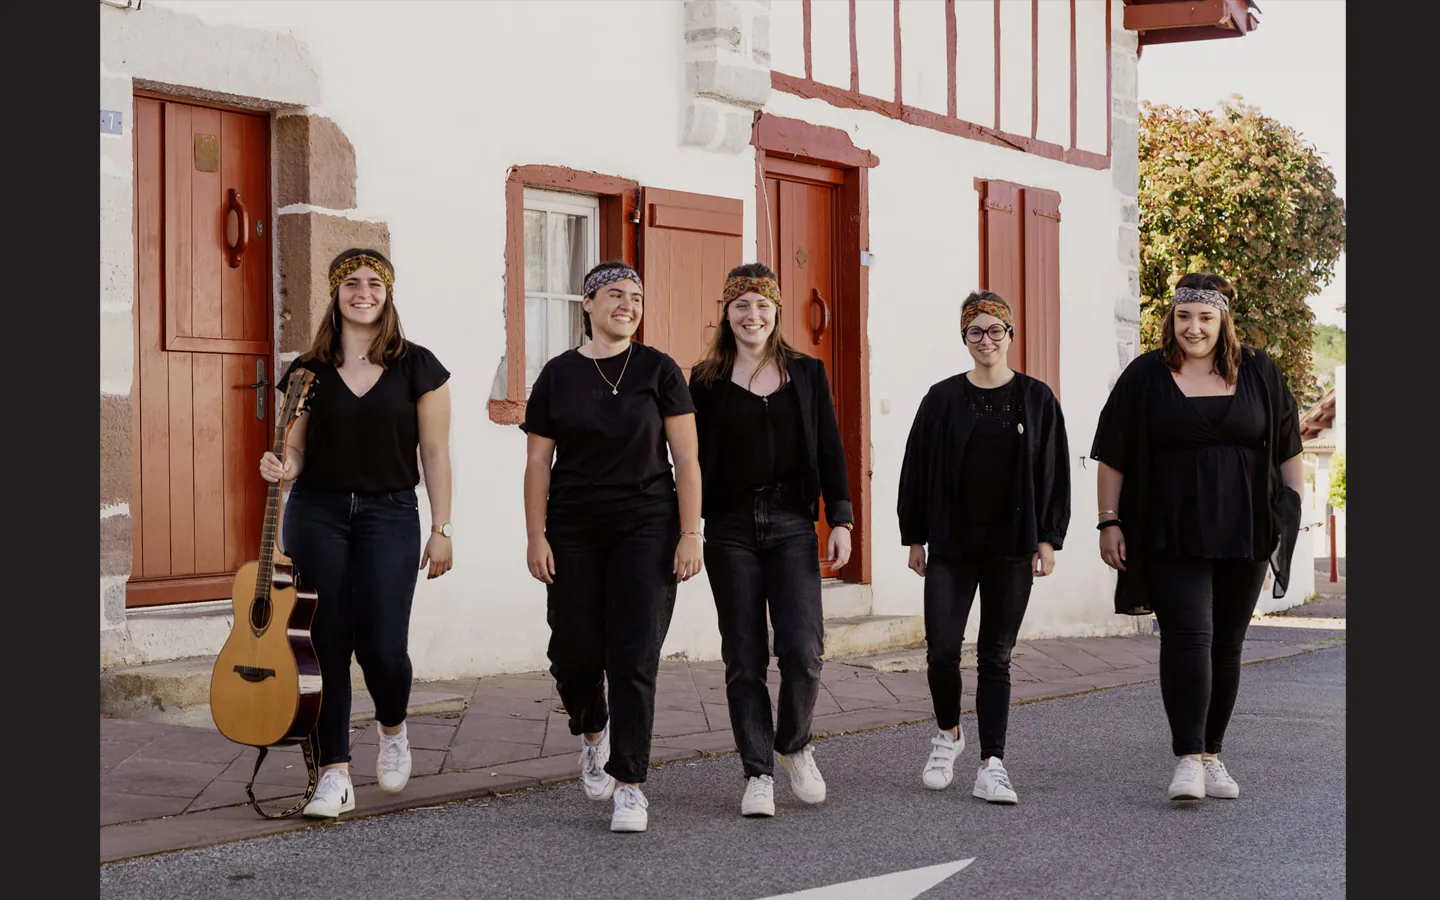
[(1005, 330)]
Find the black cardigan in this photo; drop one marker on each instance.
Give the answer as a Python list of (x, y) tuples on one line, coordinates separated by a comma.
[(936, 446), (1120, 442), (823, 469)]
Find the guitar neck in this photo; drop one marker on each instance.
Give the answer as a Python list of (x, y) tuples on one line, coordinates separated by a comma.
[(266, 571)]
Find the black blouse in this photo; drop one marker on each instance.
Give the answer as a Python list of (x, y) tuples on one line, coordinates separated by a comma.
[(365, 444), (1206, 452), (1127, 441), (761, 438), (988, 468), (609, 447)]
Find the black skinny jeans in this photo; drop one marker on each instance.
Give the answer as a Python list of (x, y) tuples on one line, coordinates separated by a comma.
[(361, 554), (950, 583), (609, 609), (1204, 608), (765, 551)]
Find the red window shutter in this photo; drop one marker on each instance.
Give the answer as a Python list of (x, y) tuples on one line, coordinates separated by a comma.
[(688, 242), (1001, 253), (1042, 285)]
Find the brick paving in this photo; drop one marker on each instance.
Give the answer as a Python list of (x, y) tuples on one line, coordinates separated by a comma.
[(169, 787)]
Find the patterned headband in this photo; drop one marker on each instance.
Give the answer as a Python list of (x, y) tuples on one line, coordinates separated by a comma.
[(347, 267), (599, 279), (744, 284), (1200, 295), (970, 310)]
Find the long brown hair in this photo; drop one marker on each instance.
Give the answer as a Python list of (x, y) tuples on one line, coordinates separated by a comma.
[(719, 359), (1227, 344), (389, 343)]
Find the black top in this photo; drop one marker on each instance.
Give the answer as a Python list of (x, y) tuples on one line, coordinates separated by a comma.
[(761, 438), (609, 447), (365, 444), (1125, 440), (987, 467), (1206, 453), (822, 469), (1035, 484)]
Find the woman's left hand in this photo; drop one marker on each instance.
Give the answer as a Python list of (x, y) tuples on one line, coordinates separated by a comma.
[(1043, 562), (839, 547), (437, 554), (689, 554)]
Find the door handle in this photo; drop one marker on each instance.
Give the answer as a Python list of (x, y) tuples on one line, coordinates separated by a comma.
[(234, 252), (259, 388), (816, 297)]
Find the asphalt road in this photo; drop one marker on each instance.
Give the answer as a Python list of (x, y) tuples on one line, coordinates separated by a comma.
[(1092, 821)]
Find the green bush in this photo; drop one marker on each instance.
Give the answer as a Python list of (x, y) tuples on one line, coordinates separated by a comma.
[(1337, 482)]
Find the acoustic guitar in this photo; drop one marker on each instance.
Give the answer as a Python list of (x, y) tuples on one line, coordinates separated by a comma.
[(265, 688)]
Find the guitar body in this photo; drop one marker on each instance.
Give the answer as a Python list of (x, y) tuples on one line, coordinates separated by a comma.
[(265, 689)]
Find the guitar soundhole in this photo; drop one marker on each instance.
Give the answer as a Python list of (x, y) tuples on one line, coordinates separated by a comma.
[(260, 614)]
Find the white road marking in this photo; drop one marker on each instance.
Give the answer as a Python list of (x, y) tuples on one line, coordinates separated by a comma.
[(904, 885)]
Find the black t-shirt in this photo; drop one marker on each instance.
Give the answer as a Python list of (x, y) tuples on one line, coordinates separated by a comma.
[(761, 440), (366, 444), (1207, 450), (986, 500), (609, 443)]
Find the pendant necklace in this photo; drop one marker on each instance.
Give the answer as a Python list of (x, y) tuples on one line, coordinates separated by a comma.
[(615, 385)]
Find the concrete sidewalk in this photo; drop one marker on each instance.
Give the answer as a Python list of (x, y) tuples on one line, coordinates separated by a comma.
[(171, 787)]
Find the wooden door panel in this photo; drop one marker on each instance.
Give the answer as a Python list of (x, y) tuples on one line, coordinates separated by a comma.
[(1001, 270), (805, 262), (202, 327)]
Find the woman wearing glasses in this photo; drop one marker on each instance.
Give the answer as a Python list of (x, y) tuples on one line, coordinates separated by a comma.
[(985, 488)]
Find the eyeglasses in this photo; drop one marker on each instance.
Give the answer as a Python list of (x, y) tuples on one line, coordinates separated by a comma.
[(997, 333)]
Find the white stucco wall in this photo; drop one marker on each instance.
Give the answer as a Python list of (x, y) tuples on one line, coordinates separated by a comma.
[(466, 90)]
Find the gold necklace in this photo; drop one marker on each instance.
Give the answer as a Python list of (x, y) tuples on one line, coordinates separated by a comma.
[(615, 385)]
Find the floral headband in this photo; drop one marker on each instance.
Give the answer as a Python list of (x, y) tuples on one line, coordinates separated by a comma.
[(1200, 295), (744, 284), (970, 310), (599, 279), (347, 267)]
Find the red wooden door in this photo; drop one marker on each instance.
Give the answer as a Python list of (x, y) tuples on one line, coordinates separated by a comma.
[(803, 201), (203, 313), (1001, 269)]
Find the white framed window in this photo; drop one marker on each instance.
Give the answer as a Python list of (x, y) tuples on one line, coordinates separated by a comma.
[(562, 243)]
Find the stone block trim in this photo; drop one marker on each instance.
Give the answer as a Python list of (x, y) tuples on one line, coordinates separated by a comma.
[(314, 163), (115, 553), (115, 449), (727, 72), (308, 241)]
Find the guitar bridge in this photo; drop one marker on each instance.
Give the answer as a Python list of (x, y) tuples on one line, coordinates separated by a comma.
[(251, 673)]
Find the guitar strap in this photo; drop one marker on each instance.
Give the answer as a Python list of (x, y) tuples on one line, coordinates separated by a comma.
[(310, 748)]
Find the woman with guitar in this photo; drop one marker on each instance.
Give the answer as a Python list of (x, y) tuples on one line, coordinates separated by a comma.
[(612, 530), (352, 524)]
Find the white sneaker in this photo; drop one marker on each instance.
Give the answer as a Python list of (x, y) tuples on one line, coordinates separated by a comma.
[(806, 782), (392, 764), (1189, 780), (940, 768), (992, 783), (630, 806), (599, 784), (1218, 782), (333, 796), (759, 799)]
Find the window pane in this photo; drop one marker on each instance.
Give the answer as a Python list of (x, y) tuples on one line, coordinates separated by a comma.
[(535, 357), (568, 260), (534, 250), (565, 326)]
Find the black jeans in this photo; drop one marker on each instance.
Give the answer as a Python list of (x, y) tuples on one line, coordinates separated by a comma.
[(950, 583), (767, 551), (1203, 607), (361, 554), (609, 610)]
